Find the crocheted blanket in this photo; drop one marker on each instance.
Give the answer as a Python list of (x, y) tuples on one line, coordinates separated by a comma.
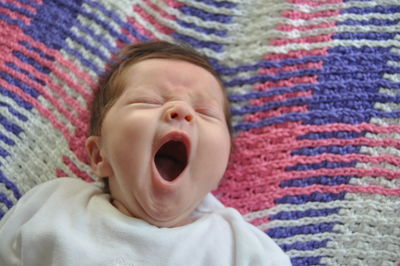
[(314, 87)]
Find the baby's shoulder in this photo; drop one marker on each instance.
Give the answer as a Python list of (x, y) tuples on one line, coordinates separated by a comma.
[(64, 185), (59, 189), (51, 197), (69, 183)]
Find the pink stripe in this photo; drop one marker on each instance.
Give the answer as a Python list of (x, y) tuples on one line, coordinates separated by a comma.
[(363, 127), (296, 14), (174, 3), (284, 83), (292, 68), (149, 18), (71, 165), (258, 170), (278, 98), (15, 15), (373, 171), (274, 113), (348, 158), (315, 3), (256, 142), (309, 39), (60, 173), (296, 54), (159, 10), (260, 221), (288, 27)]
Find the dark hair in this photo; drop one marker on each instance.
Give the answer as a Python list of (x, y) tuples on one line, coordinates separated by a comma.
[(111, 85)]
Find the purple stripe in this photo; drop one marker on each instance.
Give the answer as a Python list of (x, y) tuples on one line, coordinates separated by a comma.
[(305, 261), (375, 22), (3, 153), (9, 126), (294, 215), (17, 99), (207, 31), (204, 15), (10, 185), (224, 4), (309, 245), (14, 112), (6, 140), (376, 9), (313, 197), (324, 164), (334, 149), (198, 44), (379, 36), (319, 180), (284, 232)]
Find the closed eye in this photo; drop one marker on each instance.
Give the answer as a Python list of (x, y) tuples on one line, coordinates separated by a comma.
[(207, 112), (146, 101)]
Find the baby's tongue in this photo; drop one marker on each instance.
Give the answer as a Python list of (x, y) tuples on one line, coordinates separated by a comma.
[(168, 167)]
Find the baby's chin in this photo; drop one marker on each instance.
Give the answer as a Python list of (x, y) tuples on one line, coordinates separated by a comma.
[(171, 223)]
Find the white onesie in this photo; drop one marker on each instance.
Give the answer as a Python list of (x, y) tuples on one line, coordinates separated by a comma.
[(67, 221)]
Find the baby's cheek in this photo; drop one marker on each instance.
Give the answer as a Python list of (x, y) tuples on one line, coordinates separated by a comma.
[(219, 149)]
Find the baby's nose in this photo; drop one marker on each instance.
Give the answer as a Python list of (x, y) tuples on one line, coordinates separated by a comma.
[(179, 111)]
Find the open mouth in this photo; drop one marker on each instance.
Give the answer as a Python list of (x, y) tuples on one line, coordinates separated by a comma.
[(171, 159)]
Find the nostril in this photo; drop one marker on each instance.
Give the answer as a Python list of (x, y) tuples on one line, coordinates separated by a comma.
[(174, 115), (180, 115), (188, 118)]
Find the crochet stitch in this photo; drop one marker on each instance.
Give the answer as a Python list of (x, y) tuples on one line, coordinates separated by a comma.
[(314, 87)]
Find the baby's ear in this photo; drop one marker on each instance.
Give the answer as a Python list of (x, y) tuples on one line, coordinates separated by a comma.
[(98, 161)]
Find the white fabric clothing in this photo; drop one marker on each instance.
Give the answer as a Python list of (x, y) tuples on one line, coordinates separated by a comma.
[(67, 221)]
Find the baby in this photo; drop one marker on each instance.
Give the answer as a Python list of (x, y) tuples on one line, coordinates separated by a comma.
[(160, 138)]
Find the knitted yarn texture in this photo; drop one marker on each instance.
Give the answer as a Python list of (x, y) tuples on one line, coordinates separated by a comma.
[(314, 87)]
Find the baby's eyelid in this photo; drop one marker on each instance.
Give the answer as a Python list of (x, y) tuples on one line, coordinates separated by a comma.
[(149, 100), (207, 111)]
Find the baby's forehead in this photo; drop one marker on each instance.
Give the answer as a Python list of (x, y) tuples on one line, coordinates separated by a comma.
[(173, 68), (168, 76)]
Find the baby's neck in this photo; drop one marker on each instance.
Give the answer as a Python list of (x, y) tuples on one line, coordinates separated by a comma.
[(125, 211)]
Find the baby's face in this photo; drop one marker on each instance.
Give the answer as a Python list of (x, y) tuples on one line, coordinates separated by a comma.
[(164, 143)]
